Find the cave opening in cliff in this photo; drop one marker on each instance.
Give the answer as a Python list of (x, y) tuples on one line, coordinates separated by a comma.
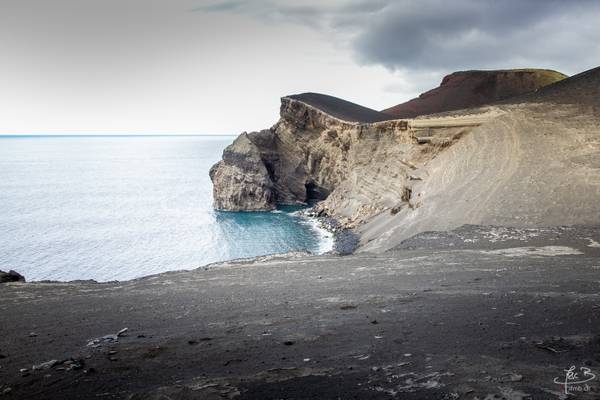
[(315, 192)]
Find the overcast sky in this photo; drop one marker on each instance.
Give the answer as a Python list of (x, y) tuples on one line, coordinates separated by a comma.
[(216, 67)]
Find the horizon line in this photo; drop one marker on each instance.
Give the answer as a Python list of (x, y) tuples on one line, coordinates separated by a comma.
[(112, 135)]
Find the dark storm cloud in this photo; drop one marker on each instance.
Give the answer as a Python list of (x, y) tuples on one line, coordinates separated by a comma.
[(439, 35), (466, 34)]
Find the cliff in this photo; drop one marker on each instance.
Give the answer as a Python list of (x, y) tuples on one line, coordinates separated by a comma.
[(528, 162), (311, 155), (307, 154), (341, 109), (465, 89), (358, 168)]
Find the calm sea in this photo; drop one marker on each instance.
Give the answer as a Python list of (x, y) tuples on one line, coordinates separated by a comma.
[(118, 208)]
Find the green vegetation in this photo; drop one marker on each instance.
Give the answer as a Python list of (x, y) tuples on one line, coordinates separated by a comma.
[(544, 76), (547, 76)]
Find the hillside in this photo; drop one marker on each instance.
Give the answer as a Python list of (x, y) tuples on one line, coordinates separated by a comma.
[(528, 162), (467, 89), (341, 109), (537, 164), (582, 89)]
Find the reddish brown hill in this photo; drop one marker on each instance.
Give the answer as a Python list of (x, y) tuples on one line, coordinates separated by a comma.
[(466, 89)]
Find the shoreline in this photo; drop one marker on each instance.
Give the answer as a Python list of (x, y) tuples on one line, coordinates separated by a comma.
[(410, 323), (327, 237), (333, 240), (345, 241)]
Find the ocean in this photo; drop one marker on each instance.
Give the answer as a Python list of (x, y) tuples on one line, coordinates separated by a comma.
[(122, 207)]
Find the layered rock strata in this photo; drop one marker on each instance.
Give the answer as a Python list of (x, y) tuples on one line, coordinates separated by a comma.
[(527, 163), (359, 169)]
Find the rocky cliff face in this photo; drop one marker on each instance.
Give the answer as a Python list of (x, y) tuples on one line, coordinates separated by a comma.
[(242, 181), (358, 168), (532, 162)]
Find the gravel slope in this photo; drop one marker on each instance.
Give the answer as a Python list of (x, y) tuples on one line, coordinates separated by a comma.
[(537, 164), (478, 312)]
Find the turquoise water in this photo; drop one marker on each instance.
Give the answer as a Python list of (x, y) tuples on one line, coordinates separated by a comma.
[(118, 208)]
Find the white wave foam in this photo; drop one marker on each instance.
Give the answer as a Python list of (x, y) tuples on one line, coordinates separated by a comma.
[(326, 239), (325, 236)]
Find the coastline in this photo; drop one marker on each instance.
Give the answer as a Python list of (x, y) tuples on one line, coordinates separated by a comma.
[(344, 241), (287, 200), (333, 240), (336, 327)]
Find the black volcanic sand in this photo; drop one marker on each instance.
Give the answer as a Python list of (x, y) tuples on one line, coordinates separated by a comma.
[(477, 312)]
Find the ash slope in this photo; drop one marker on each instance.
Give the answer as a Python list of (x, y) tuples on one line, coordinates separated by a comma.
[(480, 312), (537, 164), (467, 89), (529, 162)]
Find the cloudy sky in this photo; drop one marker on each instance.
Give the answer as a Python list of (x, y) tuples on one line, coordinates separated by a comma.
[(216, 67)]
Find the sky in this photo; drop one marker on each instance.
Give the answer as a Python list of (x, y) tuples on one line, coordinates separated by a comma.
[(220, 66)]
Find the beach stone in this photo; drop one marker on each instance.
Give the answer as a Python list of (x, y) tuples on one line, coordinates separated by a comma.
[(45, 365), (11, 276)]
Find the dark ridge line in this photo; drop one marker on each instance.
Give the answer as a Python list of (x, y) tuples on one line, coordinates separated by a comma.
[(341, 109)]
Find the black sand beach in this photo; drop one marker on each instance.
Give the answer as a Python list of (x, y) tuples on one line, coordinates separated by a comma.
[(480, 311)]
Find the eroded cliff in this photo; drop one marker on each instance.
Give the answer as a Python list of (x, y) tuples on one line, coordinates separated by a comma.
[(532, 162), (359, 169)]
